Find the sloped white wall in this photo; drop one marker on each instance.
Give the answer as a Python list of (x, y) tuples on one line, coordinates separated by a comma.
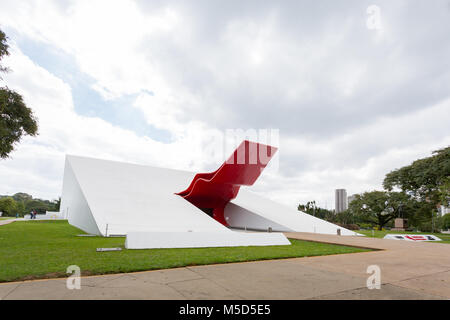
[(126, 197), (74, 206), (239, 217), (249, 209), (151, 240)]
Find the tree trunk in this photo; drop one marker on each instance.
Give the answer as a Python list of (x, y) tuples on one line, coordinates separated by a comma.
[(381, 224)]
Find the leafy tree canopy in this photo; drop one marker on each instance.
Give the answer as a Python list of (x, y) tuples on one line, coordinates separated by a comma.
[(380, 207), (311, 208), (16, 119), (427, 179), (3, 49), (23, 203), (8, 206), (22, 196), (446, 222)]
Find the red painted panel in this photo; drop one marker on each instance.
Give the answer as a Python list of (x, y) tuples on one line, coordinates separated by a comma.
[(214, 190)]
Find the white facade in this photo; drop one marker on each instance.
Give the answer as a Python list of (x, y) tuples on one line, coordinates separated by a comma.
[(114, 198), (254, 212), (350, 199), (443, 210), (145, 240)]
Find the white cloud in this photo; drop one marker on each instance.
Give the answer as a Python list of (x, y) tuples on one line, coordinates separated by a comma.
[(37, 164), (351, 104)]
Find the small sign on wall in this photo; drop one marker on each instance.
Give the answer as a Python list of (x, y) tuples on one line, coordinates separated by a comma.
[(412, 237)]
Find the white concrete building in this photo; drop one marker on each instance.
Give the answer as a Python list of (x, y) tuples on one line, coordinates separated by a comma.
[(113, 198)]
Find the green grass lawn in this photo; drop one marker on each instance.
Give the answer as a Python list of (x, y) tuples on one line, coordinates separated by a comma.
[(6, 218), (380, 234), (43, 249)]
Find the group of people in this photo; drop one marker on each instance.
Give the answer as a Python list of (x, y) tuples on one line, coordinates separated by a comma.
[(33, 214)]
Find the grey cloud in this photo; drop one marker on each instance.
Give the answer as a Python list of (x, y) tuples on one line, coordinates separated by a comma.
[(406, 71)]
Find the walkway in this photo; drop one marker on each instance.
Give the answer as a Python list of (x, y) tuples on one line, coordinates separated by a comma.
[(6, 221)]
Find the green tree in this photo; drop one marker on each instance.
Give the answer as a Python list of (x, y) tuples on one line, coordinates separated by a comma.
[(25, 203), (41, 206), (380, 207), (444, 190), (3, 49), (8, 206), (20, 208), (16, 119), (345, 217), (22, 196), (57, 204), (311, 208), (446, 222), (427, 179)]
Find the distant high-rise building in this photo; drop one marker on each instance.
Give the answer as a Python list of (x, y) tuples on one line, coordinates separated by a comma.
[(351, 198), (443, 210), (340, 200)]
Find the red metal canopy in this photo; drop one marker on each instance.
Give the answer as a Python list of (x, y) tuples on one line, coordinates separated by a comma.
[(214, 190)]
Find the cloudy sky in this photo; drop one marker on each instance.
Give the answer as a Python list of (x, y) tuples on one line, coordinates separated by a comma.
[(355, 88)]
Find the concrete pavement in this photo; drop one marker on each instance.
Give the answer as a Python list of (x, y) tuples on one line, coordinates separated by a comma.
[(3, 222), (422, 267), (409, 270)]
